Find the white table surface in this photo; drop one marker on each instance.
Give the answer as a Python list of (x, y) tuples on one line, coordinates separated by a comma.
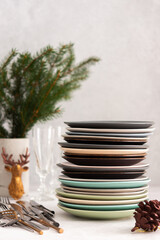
[(81, 229)]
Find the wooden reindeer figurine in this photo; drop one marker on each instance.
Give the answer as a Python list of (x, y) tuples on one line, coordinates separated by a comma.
[(16, 189)]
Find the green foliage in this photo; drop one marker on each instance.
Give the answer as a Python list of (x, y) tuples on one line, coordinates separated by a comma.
[(32, 86)]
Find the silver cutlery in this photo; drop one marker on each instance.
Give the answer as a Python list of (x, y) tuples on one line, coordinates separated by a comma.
[(28, 215), (39, 217), (12, 214), (41, 207)]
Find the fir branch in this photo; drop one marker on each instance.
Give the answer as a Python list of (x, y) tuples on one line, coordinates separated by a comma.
[(45, 52), (36, 111), (32, 85), (87, 62), (8, 59)]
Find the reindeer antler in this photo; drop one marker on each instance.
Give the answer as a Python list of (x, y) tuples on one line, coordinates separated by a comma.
[(25, 156), (6, 159)]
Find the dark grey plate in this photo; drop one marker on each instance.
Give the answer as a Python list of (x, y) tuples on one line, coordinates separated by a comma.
[(110, 124), (100, 146), (137, 135), (104, 175), (79, 168)]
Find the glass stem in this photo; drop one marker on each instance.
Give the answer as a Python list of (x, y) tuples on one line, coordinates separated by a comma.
[(42, 184)]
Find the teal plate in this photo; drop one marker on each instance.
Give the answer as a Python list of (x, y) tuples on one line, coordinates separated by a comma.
[(99, 207), (127, 184), (98, 214)]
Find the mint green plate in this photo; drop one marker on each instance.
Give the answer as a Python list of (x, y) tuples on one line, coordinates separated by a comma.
[(127, 184), (100, 207), (60, 192), (98, 214)]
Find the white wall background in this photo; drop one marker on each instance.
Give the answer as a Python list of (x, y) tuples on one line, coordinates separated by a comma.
[(125, 34)]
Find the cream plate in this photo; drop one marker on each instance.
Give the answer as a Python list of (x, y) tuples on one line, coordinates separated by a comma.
[(106, 194), (145, 130), (104, 151), (105, 190), (99, 202), (60, 192)]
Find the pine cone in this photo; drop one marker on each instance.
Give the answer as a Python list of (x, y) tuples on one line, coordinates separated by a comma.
[(147, 216)]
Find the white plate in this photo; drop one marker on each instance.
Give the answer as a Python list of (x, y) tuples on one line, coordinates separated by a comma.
[(145, 130), (100, 202), (104, 151), (102, 180), (106, 190)]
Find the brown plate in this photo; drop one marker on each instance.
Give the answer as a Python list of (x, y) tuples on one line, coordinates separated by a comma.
[(108, 155), (103, 141), (104, 175), (103, 161)]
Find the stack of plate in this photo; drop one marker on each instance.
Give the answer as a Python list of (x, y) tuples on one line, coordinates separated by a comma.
[(103, 176)]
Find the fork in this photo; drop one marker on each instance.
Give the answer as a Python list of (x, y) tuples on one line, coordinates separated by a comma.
[(6, 204)]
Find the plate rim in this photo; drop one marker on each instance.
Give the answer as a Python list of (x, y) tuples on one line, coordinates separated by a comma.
[(112, 122), (105, 151), (60, 192), (112, 190), (102, 180), (100, 202), (112, 130)]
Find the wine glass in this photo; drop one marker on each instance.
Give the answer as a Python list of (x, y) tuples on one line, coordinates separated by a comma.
[(43, 145), (56, 158)]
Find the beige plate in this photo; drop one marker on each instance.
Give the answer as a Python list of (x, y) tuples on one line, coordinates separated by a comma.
[(107, 194), (104, 151), (100, 202), (146, 130), (103, 197), (105, 190)]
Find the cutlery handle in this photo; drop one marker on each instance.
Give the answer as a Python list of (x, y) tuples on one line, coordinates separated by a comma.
[(45, 223), (47, 217), (18, 224), (30, 226), (59, 230)]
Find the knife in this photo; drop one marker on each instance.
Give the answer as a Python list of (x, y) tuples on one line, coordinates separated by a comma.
[(39, 213), (46, 214), (41, 207), (29, 213), (27, 219), (49, 218), (30, 210)]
